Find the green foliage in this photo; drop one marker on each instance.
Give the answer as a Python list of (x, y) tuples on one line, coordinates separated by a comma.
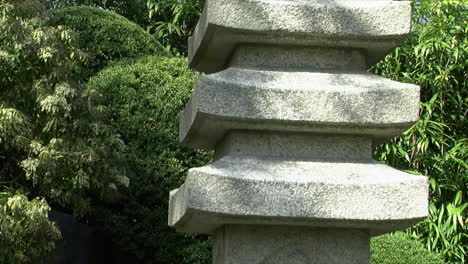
[(135, 10), (26, 234), (49, 133), (145, 97), (170, 21), (436, 58), (199, 252), (398, 248), (106, 36), (54, 141), (173, 21)]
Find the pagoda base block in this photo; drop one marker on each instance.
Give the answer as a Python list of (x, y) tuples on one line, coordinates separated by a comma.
[(251, 244)]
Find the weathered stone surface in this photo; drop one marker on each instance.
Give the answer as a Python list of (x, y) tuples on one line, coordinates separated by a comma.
[(326, 181), (373, 26), (300, 59), (341, 103), (291, 245), (237, 190), (302, 146)]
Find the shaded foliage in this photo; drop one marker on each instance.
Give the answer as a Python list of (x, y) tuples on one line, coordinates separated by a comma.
[(105, 36), (134, 10), (49, 134), (171, 22), (26, 234), (53, 138), (53, 142), (145, 97)]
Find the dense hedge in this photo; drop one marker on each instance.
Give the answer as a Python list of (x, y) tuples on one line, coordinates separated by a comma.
[(400, 249), (145, 96), (107, 36)]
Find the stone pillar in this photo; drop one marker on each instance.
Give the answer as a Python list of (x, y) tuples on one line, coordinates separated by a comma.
[(292, 114)]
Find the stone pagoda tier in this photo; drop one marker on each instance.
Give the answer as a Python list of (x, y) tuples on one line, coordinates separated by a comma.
[(292, 114)]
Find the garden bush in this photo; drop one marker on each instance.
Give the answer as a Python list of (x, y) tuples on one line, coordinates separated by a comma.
[(171, 22), (144, 97), (105, 36), (26, 234), (399, 248), (52, 143)]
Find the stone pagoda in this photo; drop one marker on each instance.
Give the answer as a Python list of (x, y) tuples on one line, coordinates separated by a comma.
[(292, 114)]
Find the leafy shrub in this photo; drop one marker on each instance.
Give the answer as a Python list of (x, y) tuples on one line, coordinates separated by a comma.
[(145, 96), (49, 134), (106, 36), (398, 248), (52, 142), (26, 235), (171, 22), (435, 57)]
